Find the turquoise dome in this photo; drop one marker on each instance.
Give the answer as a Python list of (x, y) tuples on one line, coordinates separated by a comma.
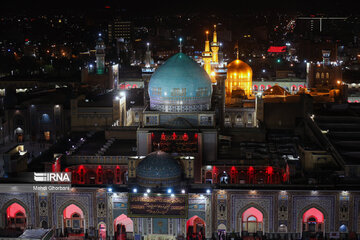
[(158, 169), (180, 85)]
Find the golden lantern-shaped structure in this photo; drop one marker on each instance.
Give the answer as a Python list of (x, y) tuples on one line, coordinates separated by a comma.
[(239, 77)]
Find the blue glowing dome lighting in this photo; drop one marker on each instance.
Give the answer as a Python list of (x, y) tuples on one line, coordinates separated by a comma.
[(180, 85), (158, 169)]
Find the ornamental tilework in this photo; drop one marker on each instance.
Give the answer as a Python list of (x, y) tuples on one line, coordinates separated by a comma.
[(240, 202), (84, 200), (356, 218), (326, 204)]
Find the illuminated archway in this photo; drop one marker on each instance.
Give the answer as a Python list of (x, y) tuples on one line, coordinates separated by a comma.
[(16, 217), (313, 220), (73, 221), (102, 230), (195, 227), (123, 227), (252, 220)]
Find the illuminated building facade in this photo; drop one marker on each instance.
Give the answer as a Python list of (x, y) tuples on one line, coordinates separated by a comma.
[(100, 55), (232, 182), (325, 74)]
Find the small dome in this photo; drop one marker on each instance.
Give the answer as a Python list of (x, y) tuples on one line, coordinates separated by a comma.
[(180, 85), (158, 169), (276, 90)]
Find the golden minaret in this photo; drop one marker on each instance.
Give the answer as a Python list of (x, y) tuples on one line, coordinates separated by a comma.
[(206, 55), (215, 48)]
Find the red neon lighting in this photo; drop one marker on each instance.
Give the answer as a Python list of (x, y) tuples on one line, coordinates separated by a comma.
[(269, 170), (174, 135), (152, 136), (192, 221), (185, 137), (13, 209), (126, 221), (163, 137), (71, 209), (252, 212), (233, 168), (315, 213), (196, 136), (277, 49), (251, 169)]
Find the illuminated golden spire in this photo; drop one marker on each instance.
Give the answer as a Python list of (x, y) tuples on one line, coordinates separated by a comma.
[(207, 42), (206, 55), (215, 47), (215, 35)]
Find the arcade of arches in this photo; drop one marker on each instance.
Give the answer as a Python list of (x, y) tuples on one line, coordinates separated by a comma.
[(246, 175), (98, 174)]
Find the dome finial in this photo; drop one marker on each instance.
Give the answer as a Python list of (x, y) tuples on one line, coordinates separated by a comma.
[(180, 45), (237, 50)]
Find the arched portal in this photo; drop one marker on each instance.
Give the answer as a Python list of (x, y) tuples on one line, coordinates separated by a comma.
[(313, 221), (252, 220), (102, 231), (195, 228), (16, 217), (73, 220), (123, 227)]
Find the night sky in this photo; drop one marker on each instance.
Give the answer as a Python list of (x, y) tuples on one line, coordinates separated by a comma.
[(183, 6)]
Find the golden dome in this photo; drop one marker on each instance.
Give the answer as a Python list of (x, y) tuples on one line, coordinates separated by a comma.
[(239, 76), (238, 66)]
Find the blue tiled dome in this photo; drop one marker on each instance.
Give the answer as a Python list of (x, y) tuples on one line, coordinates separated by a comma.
[(158, 169), (180, 85)]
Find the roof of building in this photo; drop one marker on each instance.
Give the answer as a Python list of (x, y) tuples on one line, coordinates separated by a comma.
[(182, 74)]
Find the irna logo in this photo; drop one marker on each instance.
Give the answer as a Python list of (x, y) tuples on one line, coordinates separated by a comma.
[(52, 177)]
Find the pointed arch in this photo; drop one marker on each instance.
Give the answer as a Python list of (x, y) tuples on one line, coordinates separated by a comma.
[(300, 217), (264, 213), (8, 204), (63, 206)]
